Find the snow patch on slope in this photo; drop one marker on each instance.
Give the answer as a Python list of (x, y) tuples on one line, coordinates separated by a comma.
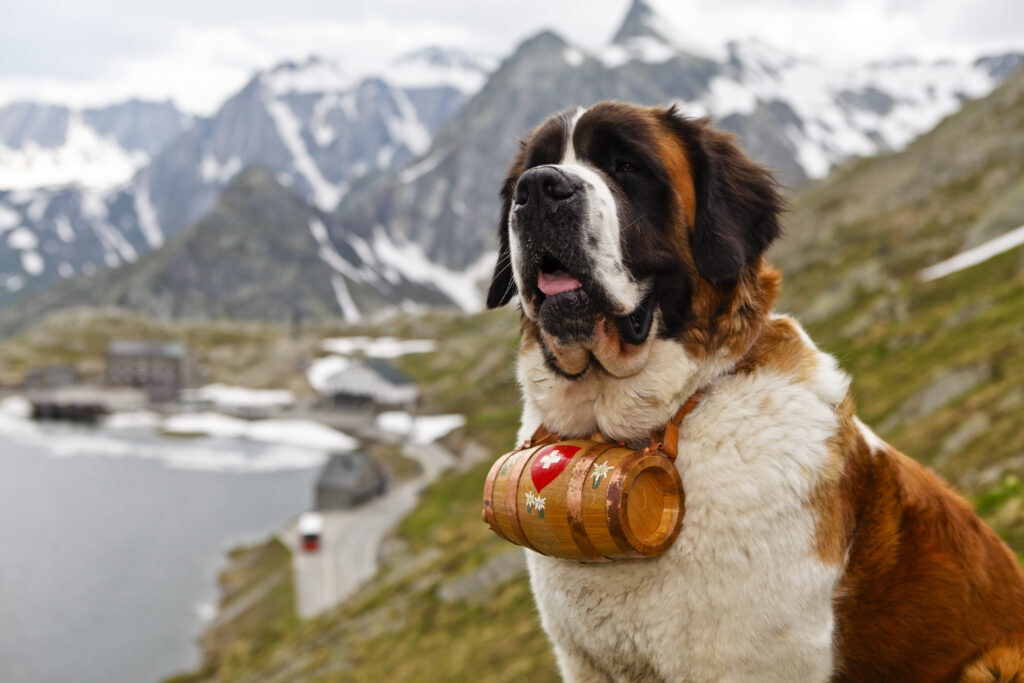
[(85, 158), (842, 112), (407, 258), (377, 347), (422, 167), (325, 194), (973, 257), (32, 262), (328, 253), (232, 397), (420, 429), (22, 239), (66, 233), (214, 172), (8, 219), (114, 243), (408, 129), (345, 302), (149, 224), (313, 76), (436, 67), (302, 433)]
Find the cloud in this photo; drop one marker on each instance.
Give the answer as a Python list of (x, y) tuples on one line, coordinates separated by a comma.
[(199, 66), (854, 31), (198, 52), (848, 31)]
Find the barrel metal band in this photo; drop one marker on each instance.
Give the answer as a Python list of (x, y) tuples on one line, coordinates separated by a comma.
[(613, 504), (574, 500), (492, 476), (512, 494)]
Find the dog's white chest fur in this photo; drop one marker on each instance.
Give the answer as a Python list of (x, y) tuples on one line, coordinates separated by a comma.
[(741, 595)]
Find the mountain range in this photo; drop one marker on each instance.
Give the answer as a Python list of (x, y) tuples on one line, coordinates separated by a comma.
[(316, 126), (401, 170)]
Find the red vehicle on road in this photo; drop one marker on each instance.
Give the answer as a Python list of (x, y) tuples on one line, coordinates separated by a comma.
[(311, 529)]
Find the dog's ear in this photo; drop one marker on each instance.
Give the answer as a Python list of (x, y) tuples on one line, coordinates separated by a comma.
[(503, 285), (738, 202)]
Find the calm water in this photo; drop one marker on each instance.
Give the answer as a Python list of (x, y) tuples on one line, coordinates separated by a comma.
[(110, 543)]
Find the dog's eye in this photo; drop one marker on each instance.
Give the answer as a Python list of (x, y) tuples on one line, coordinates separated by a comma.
[(625, 167)]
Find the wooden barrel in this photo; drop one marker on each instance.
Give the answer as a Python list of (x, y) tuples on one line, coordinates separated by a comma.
[(585, 500)]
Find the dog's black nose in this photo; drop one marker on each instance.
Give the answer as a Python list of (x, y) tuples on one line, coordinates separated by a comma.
[(544, 185)]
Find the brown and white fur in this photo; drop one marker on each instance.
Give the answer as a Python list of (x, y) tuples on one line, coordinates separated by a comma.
[(811, 550)]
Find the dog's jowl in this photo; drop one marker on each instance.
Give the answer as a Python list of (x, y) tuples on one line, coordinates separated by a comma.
[(633, 239)]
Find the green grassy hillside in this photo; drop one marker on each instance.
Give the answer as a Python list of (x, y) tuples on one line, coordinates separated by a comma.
[(938, 367)]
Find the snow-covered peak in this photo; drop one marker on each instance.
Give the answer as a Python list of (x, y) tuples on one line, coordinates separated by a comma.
[(446, 57), (432, 67), (45, 145), (642, 22), (836, 113), (654, 31), (429, 67), (755, 58), (85, 158), (315, 75)]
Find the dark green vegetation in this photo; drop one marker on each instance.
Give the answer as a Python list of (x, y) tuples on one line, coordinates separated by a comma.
[(938, 367), (938, 370)]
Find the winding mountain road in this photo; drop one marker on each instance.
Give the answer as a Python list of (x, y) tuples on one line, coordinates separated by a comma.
[(351, 539)]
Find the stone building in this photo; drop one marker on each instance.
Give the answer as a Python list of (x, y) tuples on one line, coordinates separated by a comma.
[(349, 479), (51, 377), (161, 369)]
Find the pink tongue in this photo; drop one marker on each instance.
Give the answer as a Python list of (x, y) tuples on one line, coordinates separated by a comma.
[(556, 283)]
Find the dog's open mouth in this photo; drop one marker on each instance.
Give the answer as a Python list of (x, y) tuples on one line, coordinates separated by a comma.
[(566, 309), (553, 278), (569, 311)]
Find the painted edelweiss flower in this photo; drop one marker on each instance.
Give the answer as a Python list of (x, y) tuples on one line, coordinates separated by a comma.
[(600, 472), (509, 463), (535, 501)]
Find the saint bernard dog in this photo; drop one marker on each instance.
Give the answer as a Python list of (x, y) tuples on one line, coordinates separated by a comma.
[(633, 240)]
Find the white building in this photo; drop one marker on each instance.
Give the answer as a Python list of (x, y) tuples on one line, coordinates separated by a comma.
[(370, 382)]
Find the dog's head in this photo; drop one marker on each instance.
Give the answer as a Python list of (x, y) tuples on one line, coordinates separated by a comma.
[(622, 225)]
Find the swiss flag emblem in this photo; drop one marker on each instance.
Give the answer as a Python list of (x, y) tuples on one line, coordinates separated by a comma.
[(549, 463)]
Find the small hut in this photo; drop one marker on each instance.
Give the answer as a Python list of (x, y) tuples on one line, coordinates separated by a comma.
[(371, 382), (349, 479)]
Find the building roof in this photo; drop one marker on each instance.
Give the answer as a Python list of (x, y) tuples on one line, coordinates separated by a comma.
[(123, 347), (353, 472), (311, 523), (56, 367), (388, 371), (377, 381)]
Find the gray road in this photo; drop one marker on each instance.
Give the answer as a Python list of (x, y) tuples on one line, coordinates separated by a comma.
[(352, 538)]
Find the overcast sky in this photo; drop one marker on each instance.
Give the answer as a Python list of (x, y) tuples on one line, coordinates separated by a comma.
[(198, 52)]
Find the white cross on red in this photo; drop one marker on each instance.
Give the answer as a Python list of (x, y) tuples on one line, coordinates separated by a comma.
[(550, 459)]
